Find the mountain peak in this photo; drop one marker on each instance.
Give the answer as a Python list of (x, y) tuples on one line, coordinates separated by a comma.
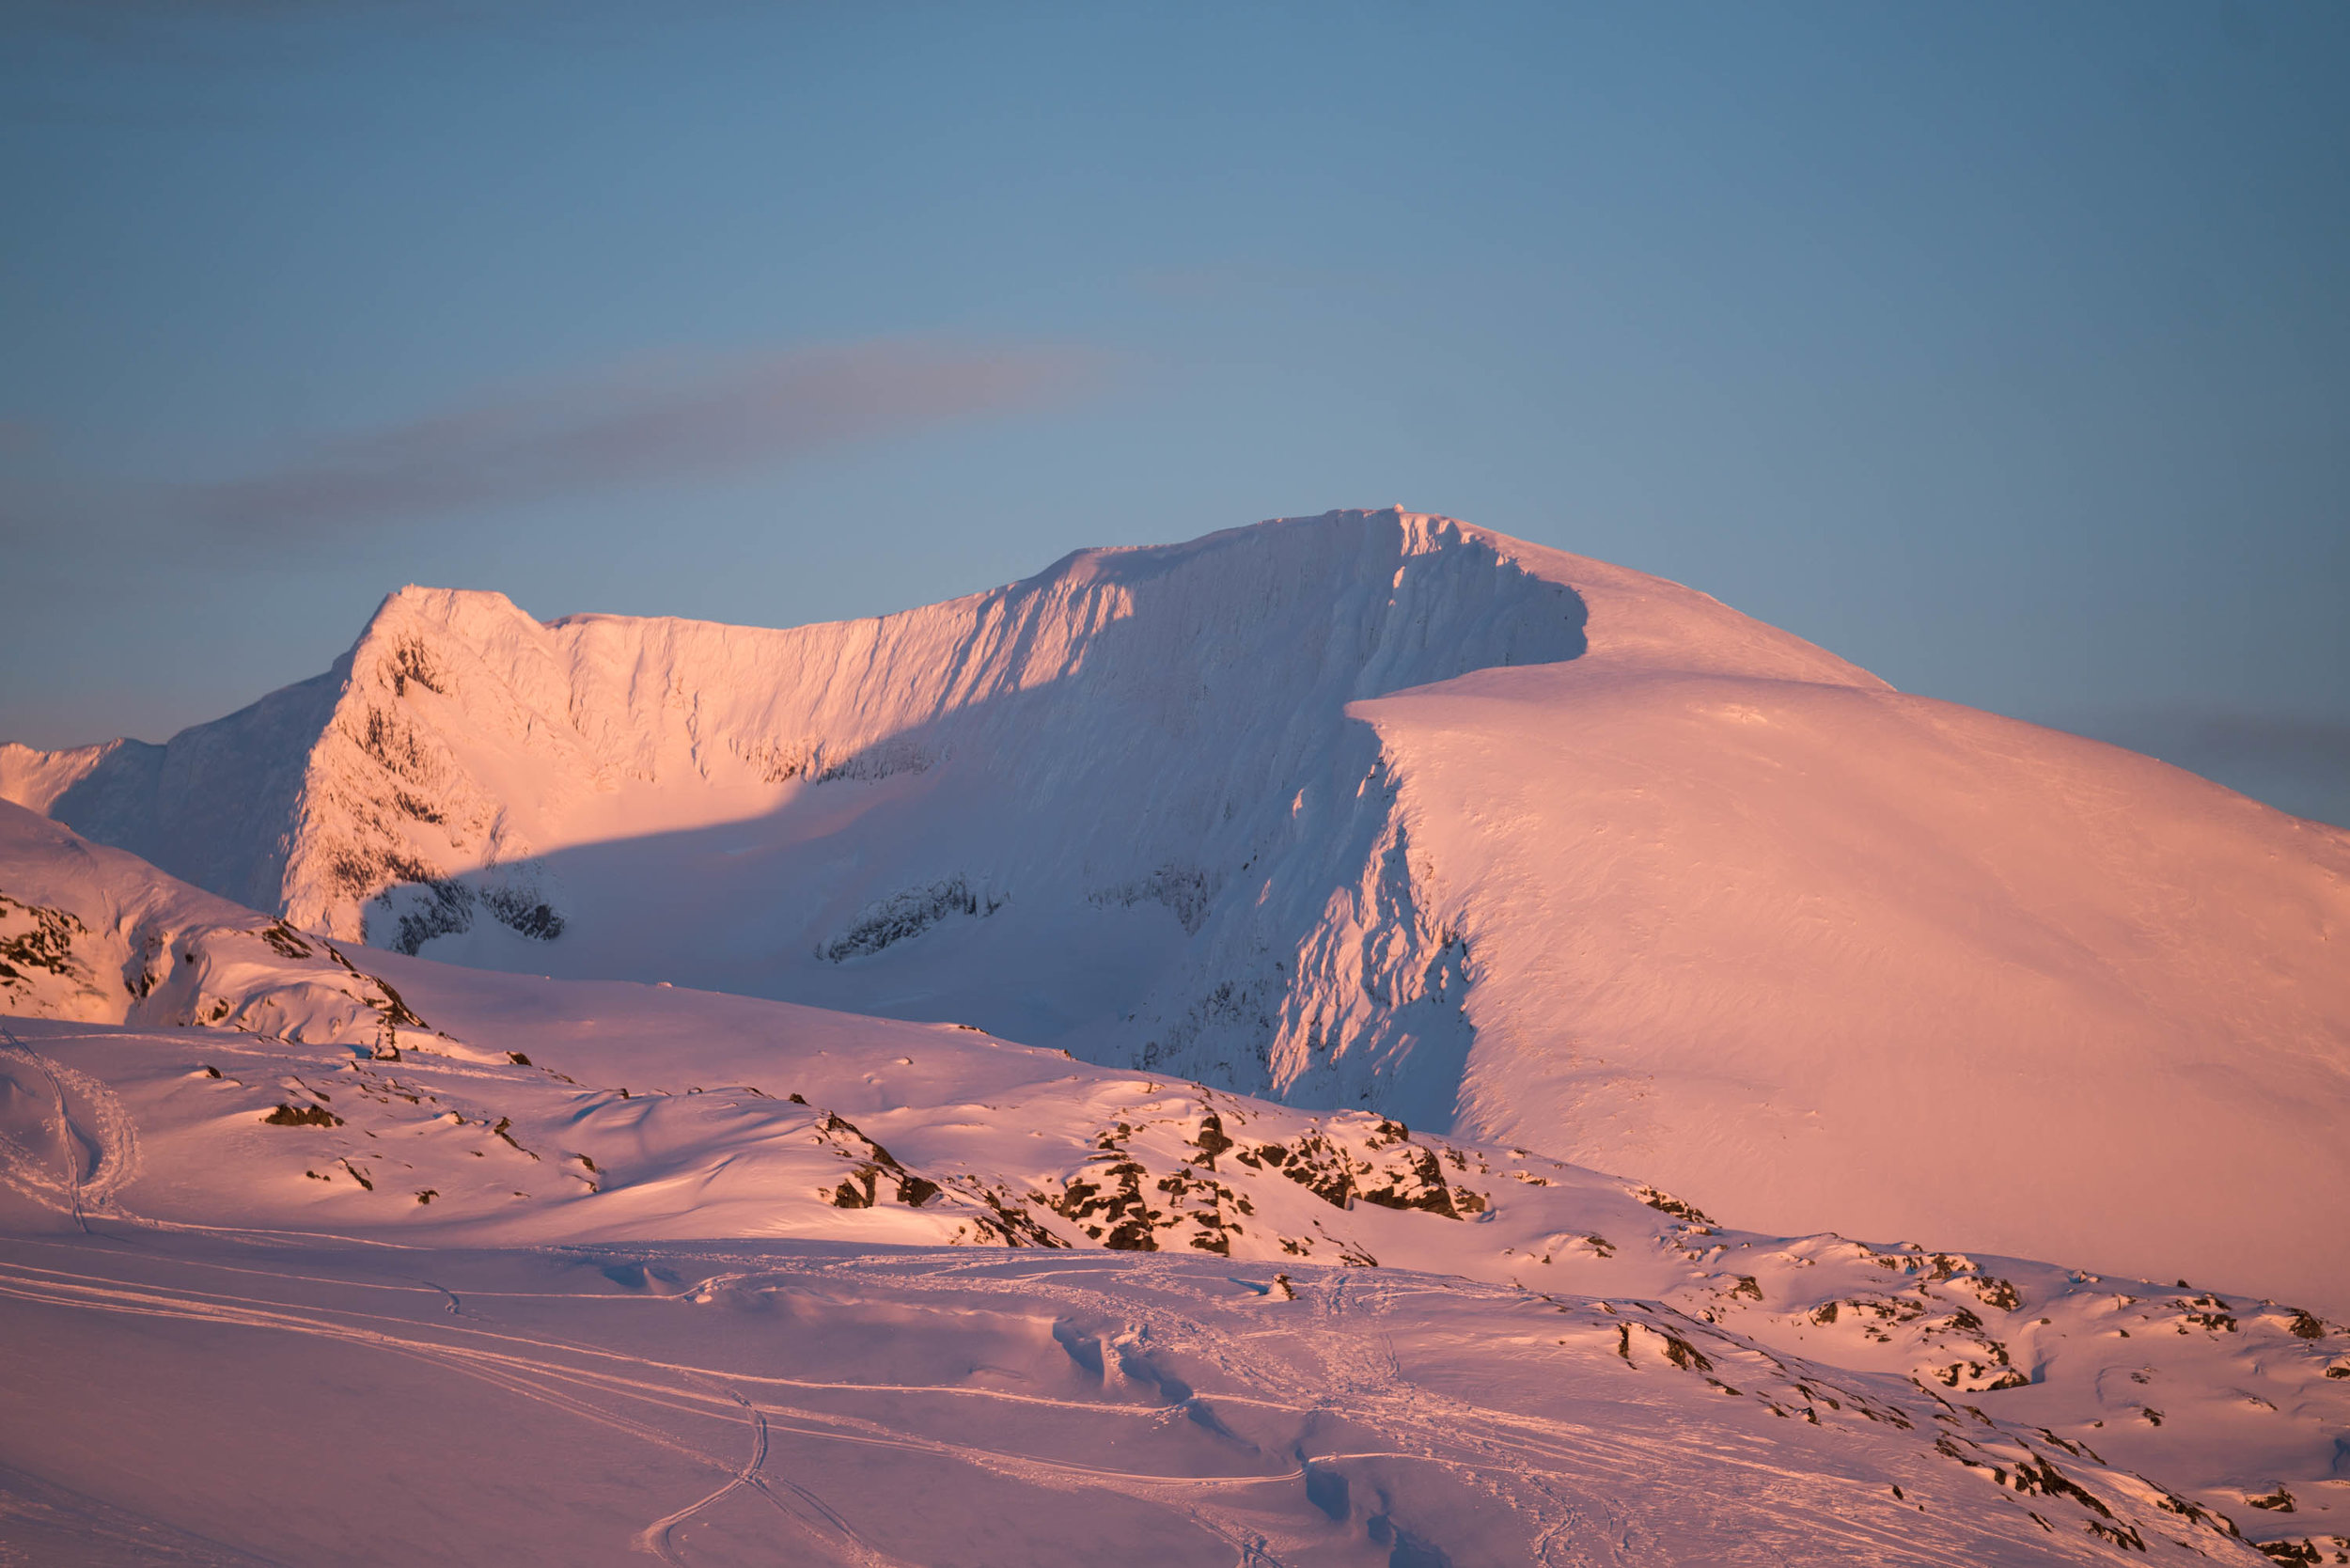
[(1372, 809)]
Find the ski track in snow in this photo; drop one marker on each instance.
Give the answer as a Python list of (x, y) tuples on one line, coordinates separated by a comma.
[(568, 1386), (111, 1137), (1552, 1475), (656, 1537), (1332, 1355)]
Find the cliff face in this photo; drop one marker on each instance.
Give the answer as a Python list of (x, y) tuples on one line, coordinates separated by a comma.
[(1368, 809)]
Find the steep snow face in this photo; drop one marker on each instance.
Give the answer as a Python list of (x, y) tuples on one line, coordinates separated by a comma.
[(218, 806), (1117, 805), (1374, 810)]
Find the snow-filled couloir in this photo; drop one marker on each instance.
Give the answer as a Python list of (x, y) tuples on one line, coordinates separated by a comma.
[(1376, 810)]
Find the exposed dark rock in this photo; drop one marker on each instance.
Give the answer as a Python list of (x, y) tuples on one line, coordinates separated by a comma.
[(1665, 1203), (908, 913)]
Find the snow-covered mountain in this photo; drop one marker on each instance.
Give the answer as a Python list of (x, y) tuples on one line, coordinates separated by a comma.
[(567, 1206), (1372, 810)]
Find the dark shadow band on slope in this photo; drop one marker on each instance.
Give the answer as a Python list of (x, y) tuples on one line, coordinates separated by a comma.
[(216, 804), (1188, 761), (1129, 728)]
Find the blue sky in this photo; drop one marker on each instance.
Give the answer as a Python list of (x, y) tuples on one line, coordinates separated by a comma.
[(2004, 349)]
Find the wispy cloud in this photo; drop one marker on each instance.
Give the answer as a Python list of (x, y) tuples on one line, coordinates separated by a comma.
[(2274, 740), (2297, 762), (639, 425)]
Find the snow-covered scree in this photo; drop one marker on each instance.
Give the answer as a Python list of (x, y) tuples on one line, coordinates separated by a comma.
[(1585, 1325), (1376, 811)]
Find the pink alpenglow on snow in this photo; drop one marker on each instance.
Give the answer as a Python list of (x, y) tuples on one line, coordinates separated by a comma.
[(1354, 1040)]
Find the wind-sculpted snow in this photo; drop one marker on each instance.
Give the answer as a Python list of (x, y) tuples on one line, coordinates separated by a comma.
[(1373, 810)]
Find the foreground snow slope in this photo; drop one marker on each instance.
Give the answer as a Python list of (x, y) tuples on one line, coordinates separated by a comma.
[(275, 1166), (736, 1404), (1376, 810)]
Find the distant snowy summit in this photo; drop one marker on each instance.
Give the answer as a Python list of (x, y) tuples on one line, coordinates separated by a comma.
[(1370, 809)]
